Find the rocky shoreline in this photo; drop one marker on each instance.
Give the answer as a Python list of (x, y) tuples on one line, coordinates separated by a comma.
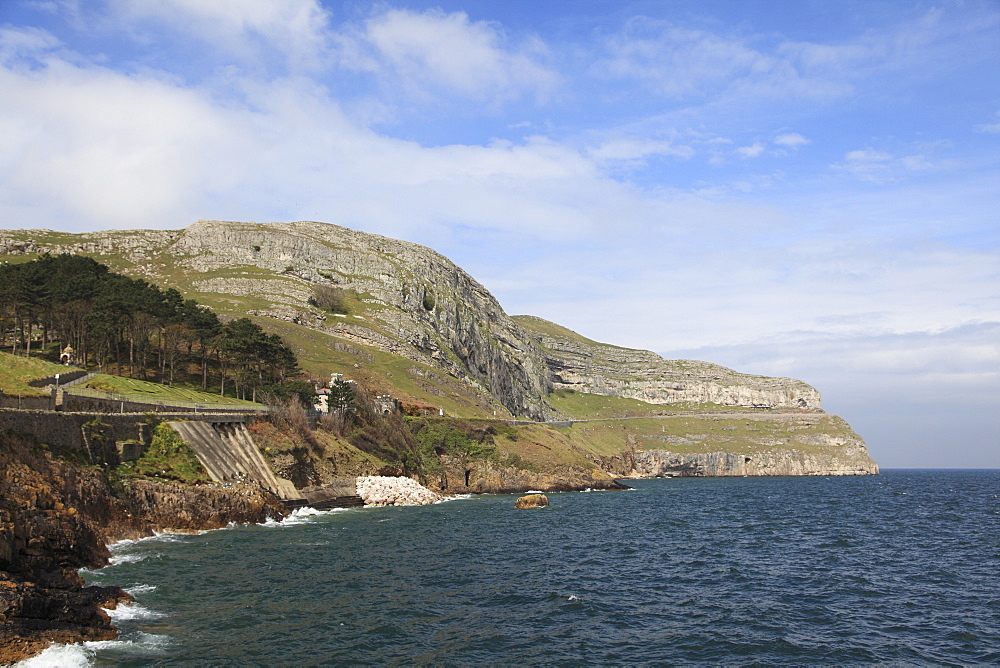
[(57, 517)]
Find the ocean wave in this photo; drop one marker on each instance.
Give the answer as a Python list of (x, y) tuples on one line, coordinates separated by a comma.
[(455, 497), (127, 558), (130, 611), (140, 589), (80, 655), (302, 515)]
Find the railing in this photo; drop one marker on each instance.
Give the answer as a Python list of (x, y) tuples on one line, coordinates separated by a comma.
[(139, 398)]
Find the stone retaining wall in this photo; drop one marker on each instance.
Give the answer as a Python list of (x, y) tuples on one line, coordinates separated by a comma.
[(35, 403), (64, 429)]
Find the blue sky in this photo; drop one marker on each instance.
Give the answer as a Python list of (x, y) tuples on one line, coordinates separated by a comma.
[(806, 189)]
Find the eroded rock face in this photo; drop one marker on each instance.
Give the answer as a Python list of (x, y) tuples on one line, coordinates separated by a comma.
[(836, 462), (577, 363)]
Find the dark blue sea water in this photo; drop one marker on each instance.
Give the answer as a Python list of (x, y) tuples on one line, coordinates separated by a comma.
[(898, 568)]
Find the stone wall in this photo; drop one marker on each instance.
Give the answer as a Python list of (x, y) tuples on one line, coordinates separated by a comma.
[(34, 403), (63, 430)]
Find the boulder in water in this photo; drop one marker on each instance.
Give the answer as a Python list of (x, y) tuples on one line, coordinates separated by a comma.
[(532, 501)]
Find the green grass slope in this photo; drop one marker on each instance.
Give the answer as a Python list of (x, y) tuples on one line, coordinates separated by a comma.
[(16, 371)]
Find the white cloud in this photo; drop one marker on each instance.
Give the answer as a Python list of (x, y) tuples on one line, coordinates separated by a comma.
[(298, 29), (751, 151), (629, 149), (104, 149), (434, 52), (990, 128), (881, 167), (680, 63), (790, 140), (16, 43)]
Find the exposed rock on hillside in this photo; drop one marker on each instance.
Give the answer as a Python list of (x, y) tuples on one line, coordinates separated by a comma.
[(577, 363), (419, 305), (843, 460)]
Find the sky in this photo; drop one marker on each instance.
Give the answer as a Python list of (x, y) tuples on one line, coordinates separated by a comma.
[(801, 188)]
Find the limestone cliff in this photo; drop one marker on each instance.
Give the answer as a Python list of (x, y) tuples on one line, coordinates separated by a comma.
[(749, 444), (577, 363), (415, 302), (418, 327)]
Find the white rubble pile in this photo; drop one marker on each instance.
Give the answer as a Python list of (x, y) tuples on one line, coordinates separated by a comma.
[(394, 491)]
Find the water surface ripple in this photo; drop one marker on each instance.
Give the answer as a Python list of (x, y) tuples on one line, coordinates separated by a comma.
[(899, 568)]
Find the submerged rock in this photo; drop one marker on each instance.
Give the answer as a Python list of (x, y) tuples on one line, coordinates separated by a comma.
[(532, 501)]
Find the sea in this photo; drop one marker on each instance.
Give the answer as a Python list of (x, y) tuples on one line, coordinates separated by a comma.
[(900, 568)]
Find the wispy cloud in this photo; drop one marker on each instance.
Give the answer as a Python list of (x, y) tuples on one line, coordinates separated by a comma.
[(252, 31), (992, 127), (881, 167), (434, 53), (790, 140)]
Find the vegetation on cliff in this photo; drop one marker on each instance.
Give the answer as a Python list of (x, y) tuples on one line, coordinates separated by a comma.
[(111, 320)]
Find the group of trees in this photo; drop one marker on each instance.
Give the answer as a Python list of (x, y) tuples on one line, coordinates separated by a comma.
[(142, 331)]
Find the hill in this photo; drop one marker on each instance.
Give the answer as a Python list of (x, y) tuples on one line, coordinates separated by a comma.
[(404, 320)]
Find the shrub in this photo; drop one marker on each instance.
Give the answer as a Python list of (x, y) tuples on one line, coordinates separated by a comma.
[(329, 299)]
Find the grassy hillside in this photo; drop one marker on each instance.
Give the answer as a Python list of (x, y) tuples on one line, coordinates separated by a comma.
[(16, 371), (139, 390)]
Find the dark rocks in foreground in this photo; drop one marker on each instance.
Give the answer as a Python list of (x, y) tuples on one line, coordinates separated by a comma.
[(57, 517)]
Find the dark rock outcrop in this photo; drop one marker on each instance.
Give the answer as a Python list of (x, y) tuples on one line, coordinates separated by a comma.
[(57, 517)]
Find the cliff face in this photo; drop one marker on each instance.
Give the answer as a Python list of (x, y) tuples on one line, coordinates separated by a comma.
[(577, 363), (651, 463), (485, 477), (56, 518), (418, 327)]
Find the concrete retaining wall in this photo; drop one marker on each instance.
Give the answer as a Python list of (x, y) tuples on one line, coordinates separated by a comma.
[(74, 402), (227, 452)]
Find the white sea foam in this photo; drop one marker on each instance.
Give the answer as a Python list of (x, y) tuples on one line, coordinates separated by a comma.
[(301, 515), (140, 589), (118, 559), (129, 611), (59, 656), (454, 497), (133, 643)]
